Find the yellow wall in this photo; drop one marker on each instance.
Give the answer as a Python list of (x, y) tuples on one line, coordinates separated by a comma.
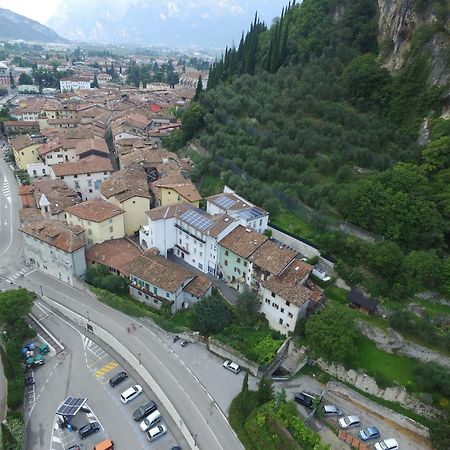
[(27, 155), (98, 232), (135, 212), (170, 196)]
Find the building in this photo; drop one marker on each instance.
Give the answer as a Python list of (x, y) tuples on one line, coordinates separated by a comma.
[(84, 176), (55, 248), (249, 215), (115, 254), (170, 190), (235, 250), (25, 151), (68, 84), (156, 281), (287, 297), (4, 76), (101, 220), (359, 300), (20, 126), (128, 189), (187, 232)]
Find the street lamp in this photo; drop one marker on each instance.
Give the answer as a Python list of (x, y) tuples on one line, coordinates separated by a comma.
[(139, 358)]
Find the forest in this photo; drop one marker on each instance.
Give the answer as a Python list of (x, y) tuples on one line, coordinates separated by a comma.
[(303, 112)]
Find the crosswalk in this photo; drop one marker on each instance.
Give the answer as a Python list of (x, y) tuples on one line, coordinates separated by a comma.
[(6, 190), (20, 273)]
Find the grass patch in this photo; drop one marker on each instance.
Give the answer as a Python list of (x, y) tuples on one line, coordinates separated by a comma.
[(211, 185), (434, 309), (290, 222)]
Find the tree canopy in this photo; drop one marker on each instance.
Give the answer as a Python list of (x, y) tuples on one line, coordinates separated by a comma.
[(15, 304), (211, 315)]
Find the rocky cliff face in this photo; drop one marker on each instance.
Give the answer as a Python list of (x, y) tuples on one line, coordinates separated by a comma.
[(399, 20)]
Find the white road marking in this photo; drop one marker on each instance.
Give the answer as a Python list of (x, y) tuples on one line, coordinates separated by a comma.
[(56, 439)]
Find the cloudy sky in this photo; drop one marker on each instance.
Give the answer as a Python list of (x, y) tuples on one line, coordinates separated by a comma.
[(36, 10)]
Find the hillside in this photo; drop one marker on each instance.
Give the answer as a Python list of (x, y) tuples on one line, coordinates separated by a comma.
[(14, 26), (320, 116)]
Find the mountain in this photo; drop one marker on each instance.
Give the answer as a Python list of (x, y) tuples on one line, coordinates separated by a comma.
[(15, 26), (178, 23)]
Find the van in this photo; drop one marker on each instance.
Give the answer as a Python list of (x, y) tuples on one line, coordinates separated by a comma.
[(131, 393), (150, 421), (107, 444)]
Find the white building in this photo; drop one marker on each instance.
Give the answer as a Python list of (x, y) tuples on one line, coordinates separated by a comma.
[(55, 248), (189, 233), (84, 176), (69, 84), (249, 215)]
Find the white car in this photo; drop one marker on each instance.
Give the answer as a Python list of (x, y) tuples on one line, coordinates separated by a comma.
[(131, 393), (230, 365), (156, 433), (331, 410), (349, 422), (387, 444)]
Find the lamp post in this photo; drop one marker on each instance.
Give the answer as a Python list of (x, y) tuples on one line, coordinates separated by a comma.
[(139, 358)]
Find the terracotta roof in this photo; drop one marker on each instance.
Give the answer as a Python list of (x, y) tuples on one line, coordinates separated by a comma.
[(20, 142), (22, 123), (272, 257), (90, 164), (58, 194), (243, 241), (221, 222), (198, 287), (186, 188), (289, 286), (168, 212), (26, 196), (50, 146), (57, 234), (95, 143), (159, 271), (30, 215), (146, 157), (115, 253), (95, 210)]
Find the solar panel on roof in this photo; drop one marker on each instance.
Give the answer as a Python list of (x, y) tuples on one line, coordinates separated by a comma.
[(225, 202), (197, 220), (250, 214), (70, 406)]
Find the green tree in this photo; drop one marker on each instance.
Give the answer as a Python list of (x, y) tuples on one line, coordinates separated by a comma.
[(94, 83), (437, 154), (198, 89), (247, 306), (211, 315), (386, 258), (24, 78), (265, 390), (11, 80), (192, 120), (440, 433), (421, 270), (15, 304), (446, 278), (332, 335)]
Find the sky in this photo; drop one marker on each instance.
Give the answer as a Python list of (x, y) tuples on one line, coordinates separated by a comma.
[(33, 9)]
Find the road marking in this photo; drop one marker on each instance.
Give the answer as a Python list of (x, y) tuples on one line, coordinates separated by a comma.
[(56, 439), (107, 368)]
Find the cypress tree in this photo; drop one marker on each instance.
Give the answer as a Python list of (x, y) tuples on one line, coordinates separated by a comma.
[(198, 89)]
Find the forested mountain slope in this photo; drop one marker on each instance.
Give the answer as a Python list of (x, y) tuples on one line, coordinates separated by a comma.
[(308, 107)]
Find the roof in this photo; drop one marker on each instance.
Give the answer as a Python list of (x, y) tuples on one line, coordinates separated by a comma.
[(231, 202), (58, 194), (20, 142), (243, 241), (272, 257), (168, 212), (57, 234), (205, 223), (357, 297), (186, 188), (146, 156), (94, 143), (115, 253), (90, 164), (26, 196), (126, 183), (198, 287), (50, 146), (30, 215), (159, 271), (95, 210), (289, 285), (21, 123)]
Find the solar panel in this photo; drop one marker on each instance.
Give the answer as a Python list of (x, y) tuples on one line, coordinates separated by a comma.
[(225, 202), (250, 214), (196, 219), (71, 406)]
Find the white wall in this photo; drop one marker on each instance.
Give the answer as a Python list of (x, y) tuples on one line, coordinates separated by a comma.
[(38, 170)]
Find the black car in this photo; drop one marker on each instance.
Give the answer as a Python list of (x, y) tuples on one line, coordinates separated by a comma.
[(74, 447), (144, 410), (29, 381), (89, 429), (305, 399), (118, 378)]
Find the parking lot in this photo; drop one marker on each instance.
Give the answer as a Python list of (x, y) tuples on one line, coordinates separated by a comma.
[(390, 424)]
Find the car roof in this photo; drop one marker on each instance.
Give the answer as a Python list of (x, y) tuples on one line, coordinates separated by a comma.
[(372, 429), (391, 441), (353, 418)]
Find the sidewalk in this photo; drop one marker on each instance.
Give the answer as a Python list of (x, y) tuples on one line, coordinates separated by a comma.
[(228, 292)]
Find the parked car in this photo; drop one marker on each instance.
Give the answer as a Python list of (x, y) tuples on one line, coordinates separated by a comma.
[(150, 421), (74, 447), (156, 433), (305, 399), (88, 429), (349, 422), (118, 378), (230, 365), (369, 433), (144, 410), (387, 444), (29, 381), (131, 393), (176, 338), (331, 410), (184, 343)]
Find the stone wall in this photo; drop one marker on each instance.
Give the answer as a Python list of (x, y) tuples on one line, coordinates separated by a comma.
[(227, 352), (302, 247)]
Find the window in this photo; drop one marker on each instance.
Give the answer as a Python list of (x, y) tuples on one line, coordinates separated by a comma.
[(282, 310), (105, 173), (200, 266), (110, 221), (49, 156), (34, 172), (111, 229), (238, 260), (280, 321), (272, 294), (155, 290), (75, 176), (77, 185), (180, 242), (226, 262), (59, 155), (245, 263), (62, 178), (290, 315), (288, 303), (267, 300), (226, 252), (89, 241), (89, 231), (201, 254), (167, 294), (89, 182), (260, 221), (88, 174)]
